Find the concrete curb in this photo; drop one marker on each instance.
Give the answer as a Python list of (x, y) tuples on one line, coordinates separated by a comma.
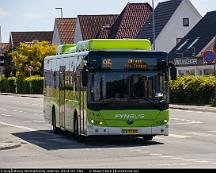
[(20, 95), (194, 109), (9, 145)]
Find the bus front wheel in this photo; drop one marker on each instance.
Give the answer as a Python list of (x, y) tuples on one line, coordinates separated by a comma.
[(78, 137)]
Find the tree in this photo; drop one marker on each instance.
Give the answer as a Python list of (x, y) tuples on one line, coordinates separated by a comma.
[(31, 55)]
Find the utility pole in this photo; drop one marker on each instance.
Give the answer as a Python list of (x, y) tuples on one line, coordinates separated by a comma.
[(0, 35), (215, 78), (153, 25)]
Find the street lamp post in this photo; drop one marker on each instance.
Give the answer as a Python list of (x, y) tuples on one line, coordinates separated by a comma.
[(215, 79), (61, 11), (153, 25)]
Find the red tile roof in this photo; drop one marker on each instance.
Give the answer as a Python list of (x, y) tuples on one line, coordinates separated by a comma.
[(4, 47), (104, 32), (91, 25), (27, 37), (66, 28), (130, 21)]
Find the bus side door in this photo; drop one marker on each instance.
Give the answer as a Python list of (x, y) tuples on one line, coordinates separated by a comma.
[(62, 97)]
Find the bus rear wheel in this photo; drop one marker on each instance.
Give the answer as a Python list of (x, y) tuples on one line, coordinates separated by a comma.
[(56, 130)]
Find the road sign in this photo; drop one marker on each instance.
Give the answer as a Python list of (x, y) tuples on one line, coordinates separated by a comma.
[(30, 68), (209, 57)]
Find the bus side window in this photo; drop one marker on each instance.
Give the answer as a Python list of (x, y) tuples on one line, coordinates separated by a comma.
[(92, 94)]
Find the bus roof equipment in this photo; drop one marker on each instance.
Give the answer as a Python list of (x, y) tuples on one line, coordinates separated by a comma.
[(113, 44)]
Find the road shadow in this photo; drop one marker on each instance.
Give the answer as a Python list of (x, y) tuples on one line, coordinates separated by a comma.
[(49, 141)]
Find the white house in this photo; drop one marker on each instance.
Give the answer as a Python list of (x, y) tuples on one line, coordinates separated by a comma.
[(173, 20)]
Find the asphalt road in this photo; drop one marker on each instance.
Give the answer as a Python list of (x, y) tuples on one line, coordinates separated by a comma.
[(191, 143)]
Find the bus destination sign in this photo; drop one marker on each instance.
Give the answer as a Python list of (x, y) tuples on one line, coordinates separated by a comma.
[(130, 64)]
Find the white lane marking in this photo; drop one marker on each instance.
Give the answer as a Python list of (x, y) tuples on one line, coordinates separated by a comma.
[(157, 137), (193, 122), (184, 121), (190, 111), (136, 150), (20, 127), (178, 158), (20, 111), (165, 164), (178, 119), (6, 115), (155, 154), (166, 156), (179, 136), (201, 161), (199, 112), (200, 134)]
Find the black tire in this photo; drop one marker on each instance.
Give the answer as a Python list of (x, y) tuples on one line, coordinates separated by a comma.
[(79, 138), (148, 138), (56, 130), (76, 132)]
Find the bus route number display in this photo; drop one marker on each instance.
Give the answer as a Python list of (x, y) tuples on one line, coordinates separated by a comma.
[(107, 63), (125, 63)]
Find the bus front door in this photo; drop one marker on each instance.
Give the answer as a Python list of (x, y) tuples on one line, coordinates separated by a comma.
[(62, 97)]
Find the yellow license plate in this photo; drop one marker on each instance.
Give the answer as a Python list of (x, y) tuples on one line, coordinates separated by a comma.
[(129, 131)]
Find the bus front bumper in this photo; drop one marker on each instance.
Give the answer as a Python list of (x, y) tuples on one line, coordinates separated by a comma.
[(96, 130)]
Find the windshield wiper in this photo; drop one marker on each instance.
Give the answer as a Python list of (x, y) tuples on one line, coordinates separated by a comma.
[(154, 104)]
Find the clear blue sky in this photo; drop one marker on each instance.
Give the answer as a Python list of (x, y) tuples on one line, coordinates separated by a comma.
[(36, 15)]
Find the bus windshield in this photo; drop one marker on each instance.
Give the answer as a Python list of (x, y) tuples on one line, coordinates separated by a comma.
[(113, 86)]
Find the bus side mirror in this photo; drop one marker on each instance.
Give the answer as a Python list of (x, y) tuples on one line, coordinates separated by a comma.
[(85, 77), (173, 72)]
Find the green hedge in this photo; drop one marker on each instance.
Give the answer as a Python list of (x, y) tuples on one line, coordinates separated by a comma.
[(193, 89), (22, 86), (7, 85)]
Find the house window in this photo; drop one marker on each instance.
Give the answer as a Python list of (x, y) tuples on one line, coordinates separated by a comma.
[(178, 40), (185, 22)]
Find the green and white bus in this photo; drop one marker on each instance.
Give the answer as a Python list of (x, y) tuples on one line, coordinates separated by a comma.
[(107, 87)]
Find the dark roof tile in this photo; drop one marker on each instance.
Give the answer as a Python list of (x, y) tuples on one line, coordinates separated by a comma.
[(28, 37), (66, 29), (163, 13), (132, 18), (91, 25), (198, 38)]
